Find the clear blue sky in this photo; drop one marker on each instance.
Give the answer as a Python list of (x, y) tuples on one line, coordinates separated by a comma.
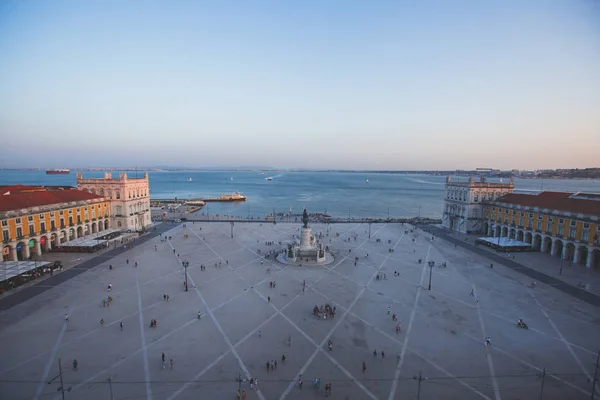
[(317, 84)]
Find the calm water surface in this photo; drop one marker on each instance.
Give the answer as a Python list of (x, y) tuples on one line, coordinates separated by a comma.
[(336, 193)]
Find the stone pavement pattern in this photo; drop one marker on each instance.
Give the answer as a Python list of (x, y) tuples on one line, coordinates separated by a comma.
[(441, 337)]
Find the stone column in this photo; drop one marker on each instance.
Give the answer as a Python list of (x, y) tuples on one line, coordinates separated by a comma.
[(576, 255), (25, 251), (13, 253), (554, 248), (57, 239), (74, 233), (543, 245), (37, 248), (590, 258), (47, 245)]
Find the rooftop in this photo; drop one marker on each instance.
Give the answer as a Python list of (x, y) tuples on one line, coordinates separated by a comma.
[(579, 203), (18, 197)]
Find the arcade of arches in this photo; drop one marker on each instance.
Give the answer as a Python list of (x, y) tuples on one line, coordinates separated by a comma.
[(42, 243), (577, 252)]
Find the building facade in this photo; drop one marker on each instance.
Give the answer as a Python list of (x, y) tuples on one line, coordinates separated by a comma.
[(565, 225), (129, 198), (34, 219), (464, 201)]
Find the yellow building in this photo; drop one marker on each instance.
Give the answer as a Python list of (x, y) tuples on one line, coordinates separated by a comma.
[(563, 224), (34, 219)]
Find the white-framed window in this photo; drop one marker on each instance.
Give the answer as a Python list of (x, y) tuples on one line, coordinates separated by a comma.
[(572, 232), (585, 235), (18, 220), (586, 225), (573, 222), (42, 216), (4, 222)]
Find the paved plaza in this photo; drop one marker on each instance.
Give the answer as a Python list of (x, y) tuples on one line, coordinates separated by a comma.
[(442, 334)]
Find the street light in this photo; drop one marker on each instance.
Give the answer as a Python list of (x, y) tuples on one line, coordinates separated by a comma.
[(185, 265), (431, 264)]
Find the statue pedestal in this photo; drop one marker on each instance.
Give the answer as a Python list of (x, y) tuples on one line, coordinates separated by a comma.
[(305, 239)]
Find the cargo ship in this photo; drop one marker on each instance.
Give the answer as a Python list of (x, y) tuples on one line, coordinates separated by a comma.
[(57, 171)]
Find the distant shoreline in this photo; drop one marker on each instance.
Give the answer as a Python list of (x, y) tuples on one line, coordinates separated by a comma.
[(390, 172)]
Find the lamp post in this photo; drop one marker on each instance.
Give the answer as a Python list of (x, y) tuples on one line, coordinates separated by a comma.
[(431, 263), (185, 265)]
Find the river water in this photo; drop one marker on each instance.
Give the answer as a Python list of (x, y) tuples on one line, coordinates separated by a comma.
[(336, 193)]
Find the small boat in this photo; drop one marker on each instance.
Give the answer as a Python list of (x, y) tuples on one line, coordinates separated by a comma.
[(367, 181), (231, 178), (189, 180), (269, 178)]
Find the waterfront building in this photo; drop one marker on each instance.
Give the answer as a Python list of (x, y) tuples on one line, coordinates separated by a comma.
[(34, 219), (463, 202), (129, 198), (565, 225)]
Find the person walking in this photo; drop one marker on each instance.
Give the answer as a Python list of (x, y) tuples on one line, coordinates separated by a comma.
[(364, 366), (172, 363), (121, 325), (472, 294)]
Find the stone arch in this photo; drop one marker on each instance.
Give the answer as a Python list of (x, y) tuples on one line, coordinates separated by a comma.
[(498, 229), (79, 231), (546, 244), (583, 255), (45, 244), (63, 237), (513, 233), (6, 253), (528, 237), (595, 259), (504, 231), (21, 251), (537, 242), (71, 234), (33, 247), (520, 235), (557, 248), (94, 227), (105, 224), (569, 251), (86, 229)]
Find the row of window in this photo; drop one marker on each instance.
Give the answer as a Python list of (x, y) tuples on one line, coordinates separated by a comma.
[(463, 195), (512, 214), (109, 193)]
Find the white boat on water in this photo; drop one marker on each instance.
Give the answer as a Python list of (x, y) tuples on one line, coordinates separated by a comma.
[(269, 178), (189, 180), (367, 181), (231, 178)]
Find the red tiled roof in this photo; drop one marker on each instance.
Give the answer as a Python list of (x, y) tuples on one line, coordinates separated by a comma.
[(34, 196), (553, 200)]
